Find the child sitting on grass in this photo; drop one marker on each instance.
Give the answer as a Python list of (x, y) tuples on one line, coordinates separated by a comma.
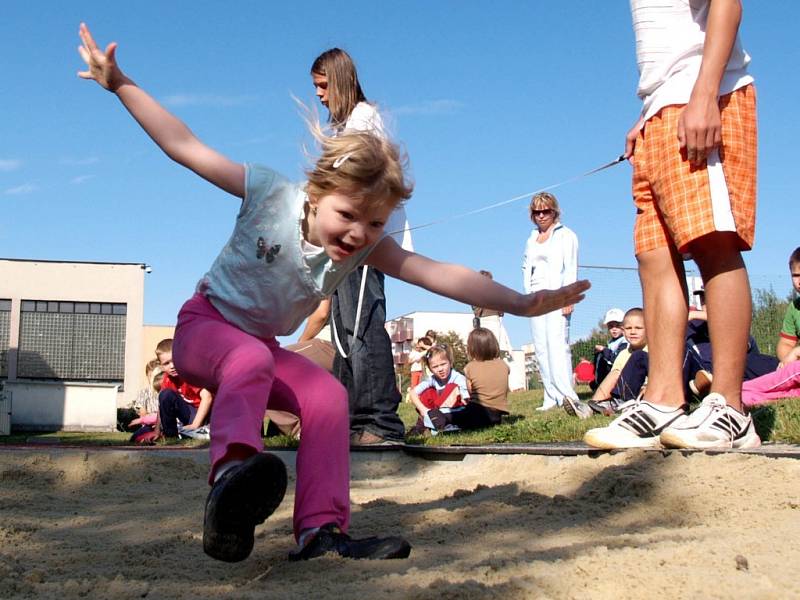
[(443, 393), (628, 374), (487, 382)]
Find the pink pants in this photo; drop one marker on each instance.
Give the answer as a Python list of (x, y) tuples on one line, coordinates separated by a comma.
[(783, 383), (247, 373)]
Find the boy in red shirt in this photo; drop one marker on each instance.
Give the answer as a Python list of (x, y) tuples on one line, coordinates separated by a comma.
[(178, 401)]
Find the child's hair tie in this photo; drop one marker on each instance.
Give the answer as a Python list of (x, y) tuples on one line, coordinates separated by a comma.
[(340, 161)]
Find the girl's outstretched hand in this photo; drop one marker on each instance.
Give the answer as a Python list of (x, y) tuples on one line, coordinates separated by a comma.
[(545, 301), (102, 65)]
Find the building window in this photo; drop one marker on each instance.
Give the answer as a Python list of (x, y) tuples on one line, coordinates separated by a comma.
[(5, 335), (75, 341)]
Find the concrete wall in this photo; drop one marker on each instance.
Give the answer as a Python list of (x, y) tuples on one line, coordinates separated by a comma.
[(77, 282), (48, 406)]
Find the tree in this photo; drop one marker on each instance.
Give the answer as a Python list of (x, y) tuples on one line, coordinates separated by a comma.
[(768, 311), (457, 347)]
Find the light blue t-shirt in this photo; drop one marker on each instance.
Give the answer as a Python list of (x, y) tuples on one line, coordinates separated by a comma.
[(261, 281), (435, 383)]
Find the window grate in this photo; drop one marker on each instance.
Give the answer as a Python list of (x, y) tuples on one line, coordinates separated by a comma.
[(72, 341), (5, 336)]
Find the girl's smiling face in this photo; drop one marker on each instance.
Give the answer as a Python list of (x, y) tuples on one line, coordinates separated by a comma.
[(343, 226)]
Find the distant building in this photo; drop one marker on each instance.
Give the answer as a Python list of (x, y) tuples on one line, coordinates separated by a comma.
[(404, 330), (70, 341)]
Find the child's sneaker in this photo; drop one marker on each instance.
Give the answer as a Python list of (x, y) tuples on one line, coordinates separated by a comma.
[(602, 407), (243, 497), (330, 538), (576, 408), (713, 424), (638, 426), (701, 384)]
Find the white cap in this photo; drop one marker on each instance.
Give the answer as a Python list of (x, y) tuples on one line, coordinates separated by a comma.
[(613, 314)]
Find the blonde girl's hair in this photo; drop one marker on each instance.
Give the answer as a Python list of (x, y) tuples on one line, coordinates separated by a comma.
[(545, 200), (344, 89), (482, 345), (157, 379), (439, 350), (360, 164)]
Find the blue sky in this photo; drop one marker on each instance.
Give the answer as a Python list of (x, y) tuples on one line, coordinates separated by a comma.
[(490, 100)]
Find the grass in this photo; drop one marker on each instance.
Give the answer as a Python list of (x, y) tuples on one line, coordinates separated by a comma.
[(778, 422)]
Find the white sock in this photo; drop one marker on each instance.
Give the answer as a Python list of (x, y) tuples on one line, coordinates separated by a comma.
[(225, 467), (305, 535)]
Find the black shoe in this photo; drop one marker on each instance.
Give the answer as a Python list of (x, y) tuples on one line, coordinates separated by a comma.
[(330, 538), (242, 498)]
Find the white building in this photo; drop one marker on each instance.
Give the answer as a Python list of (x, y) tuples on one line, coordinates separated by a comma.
[(404, 330), (70, 341)]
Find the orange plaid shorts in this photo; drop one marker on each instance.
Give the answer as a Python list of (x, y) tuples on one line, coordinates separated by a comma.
[(676, 202)]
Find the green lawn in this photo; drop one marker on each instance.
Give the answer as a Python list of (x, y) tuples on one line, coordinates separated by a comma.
[(778, 422)]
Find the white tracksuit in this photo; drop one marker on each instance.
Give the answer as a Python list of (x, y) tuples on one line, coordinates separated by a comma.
[(549, 266)]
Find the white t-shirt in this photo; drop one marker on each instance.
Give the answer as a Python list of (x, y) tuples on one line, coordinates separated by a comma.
[(670, 35), (365, 117)]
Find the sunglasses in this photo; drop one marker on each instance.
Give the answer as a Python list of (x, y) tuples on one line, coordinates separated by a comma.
[(545, 212)]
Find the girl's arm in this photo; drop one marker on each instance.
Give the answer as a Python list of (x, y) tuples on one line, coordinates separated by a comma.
[(316, 321), (452, 398), (166, 130), (421, 408), (468, 286)]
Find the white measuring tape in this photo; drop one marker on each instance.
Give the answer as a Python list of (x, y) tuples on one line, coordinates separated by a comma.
[(468, 213)]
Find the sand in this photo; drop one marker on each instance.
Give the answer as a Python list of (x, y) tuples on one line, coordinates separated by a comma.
[(126, 524)]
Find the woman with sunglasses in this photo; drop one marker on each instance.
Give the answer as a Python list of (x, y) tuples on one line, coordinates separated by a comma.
[(551, 261)]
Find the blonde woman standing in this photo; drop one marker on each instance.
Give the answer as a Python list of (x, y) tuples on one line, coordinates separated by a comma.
[(551, 261)]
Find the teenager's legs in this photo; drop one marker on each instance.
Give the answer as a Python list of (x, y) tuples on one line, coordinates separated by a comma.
[(665, 314), (783, 383), (323, 459), (729, 309), (368, 371), (236, 366)]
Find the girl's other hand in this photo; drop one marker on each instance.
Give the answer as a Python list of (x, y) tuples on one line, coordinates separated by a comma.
[(102, 65), (545, 301)]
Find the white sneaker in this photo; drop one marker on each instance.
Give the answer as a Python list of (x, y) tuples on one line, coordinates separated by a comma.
[(576, 408), (638, 426), (713, 424)]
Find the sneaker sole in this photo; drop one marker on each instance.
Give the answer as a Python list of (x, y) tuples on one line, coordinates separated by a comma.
[(569, 408), (672, 440), (250, 495), (604, 442)]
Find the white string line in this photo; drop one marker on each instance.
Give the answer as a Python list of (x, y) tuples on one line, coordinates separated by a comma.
[(475, 211)]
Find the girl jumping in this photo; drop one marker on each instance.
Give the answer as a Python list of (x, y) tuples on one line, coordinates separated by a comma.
[(291, 245)]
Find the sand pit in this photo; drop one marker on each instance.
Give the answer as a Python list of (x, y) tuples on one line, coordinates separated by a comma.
[(117, 524)]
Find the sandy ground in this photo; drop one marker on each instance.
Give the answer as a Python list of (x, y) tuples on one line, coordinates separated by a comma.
[(114, 524)]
